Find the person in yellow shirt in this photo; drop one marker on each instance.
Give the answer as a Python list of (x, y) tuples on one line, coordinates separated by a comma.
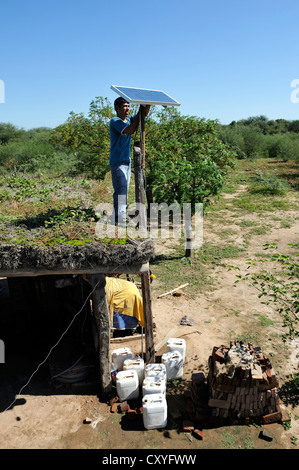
[(124, 303)]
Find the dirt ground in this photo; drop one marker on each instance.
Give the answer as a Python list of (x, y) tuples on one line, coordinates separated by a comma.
[(45, 417)]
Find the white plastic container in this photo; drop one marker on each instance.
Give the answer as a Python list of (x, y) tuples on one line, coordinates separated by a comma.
[(177, 344), (155, 369), (135, 364), (174, 365), (153, 384), (154, 411), (119, 356), (127, 385)]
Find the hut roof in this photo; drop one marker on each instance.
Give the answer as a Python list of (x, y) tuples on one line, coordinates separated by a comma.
[(89, 257)]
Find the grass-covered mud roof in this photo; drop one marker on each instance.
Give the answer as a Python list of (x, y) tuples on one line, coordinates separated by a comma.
[(50, 224), (69, 257)]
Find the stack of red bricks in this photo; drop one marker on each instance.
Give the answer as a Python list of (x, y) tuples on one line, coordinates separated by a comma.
[(242, 384)]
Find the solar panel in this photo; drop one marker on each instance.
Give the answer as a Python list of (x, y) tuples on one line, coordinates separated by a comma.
[(144, 96)]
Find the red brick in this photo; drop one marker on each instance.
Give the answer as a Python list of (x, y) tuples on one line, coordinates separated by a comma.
[(113, 408), (219, 354), (124, 407), (131, 414), (213, 402), (113, 400), (188, 425), (198, 434), (272, 417)]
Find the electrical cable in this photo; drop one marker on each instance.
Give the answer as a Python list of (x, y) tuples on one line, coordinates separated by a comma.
[(53, 347)]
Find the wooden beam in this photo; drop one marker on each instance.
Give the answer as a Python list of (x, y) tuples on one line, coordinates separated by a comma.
[(124, 339), (173, 290), (102, 321), (142, 133), (148, 320), (170, 334), (106, 269), (139, 185)]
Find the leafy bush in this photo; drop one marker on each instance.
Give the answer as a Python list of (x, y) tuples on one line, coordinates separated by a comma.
[(88, 137), (284, 147), (269, 185), (278, 286), (260, 137)]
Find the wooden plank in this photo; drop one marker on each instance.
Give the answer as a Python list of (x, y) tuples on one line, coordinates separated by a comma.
[(142, 131), (173, 290), (170, 334), (124, 339), (107, 269), (148, 320), (101, 315), (139, 186)]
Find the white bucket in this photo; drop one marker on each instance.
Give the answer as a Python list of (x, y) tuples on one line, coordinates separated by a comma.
[(177, 344), (135, 364), (174, 363), (155, 369), (154, 411), (119, 356), (127, 386), (153, 384)]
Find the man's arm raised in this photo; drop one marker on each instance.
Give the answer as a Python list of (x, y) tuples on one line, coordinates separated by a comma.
[(135, 123)]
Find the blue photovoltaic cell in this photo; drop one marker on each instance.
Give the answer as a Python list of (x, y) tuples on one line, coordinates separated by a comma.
[(144, 96)]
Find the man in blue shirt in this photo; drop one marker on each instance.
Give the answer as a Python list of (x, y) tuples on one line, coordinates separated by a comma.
[(121, 128)]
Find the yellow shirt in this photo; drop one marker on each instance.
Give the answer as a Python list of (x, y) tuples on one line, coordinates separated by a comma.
[(124, 297)]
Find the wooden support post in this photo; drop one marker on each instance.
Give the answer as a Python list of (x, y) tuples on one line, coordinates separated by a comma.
[(101, 315), (139, 187), (138, 168), (139, 161), (148, 320), (189, 237), (142, 133)]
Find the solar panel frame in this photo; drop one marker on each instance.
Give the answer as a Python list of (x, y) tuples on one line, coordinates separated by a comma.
[(158, 97)]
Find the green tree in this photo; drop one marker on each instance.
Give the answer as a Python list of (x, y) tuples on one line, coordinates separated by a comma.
[(186, 161), (294, 126), (10, 133), (88, 137)]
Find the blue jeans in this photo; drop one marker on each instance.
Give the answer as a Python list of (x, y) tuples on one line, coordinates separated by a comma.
[(121, 176)]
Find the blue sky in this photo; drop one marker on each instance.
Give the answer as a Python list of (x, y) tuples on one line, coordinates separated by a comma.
[(224, 60)]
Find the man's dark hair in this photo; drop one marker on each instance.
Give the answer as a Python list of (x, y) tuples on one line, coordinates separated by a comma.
[(119, 101)]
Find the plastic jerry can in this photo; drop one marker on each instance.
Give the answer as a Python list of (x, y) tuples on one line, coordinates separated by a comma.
[(153, 384), (119, 356), (127, 385), (154, 411), (177, 344), (173, 362), (135, 364), (155, 369)]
